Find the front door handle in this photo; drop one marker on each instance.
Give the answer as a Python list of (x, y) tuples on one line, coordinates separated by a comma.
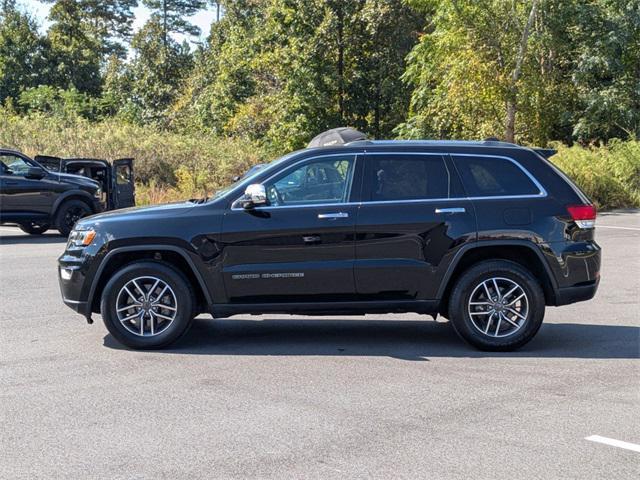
[(311, 239), (450, 210), (333, 215)]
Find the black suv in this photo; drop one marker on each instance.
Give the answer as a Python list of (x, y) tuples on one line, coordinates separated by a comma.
[(484, 233), (55, 192)]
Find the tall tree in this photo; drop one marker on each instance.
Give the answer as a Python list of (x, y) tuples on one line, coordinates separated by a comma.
[(172, 15), (607, 70), (108, 22), (470, 68), (157, 72), (529, 71), (24, 55), (283, 70), (77, 50), (7, 6)]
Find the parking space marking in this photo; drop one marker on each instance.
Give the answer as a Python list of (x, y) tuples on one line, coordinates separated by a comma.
[(619, 228), (614, 443)]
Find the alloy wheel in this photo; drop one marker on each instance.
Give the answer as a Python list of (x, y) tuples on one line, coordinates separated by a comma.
[(498, 307), (146, 306)]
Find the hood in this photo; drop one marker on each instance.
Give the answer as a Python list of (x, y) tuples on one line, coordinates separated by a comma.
[(135, 214), (77, 180)]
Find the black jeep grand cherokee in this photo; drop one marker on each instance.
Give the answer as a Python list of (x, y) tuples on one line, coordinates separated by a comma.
[(484, 233)]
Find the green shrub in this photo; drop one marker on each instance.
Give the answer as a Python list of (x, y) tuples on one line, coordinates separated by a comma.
[(609, 175)]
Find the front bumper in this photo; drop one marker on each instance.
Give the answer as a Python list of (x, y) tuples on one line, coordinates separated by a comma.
[(71, 279)]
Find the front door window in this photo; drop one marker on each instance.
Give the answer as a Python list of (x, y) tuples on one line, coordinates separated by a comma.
[(320, 181), (14, 165)]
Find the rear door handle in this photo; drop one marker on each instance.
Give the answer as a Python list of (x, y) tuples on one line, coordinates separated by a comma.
[(311, 239), (450, 210), (333, 215)]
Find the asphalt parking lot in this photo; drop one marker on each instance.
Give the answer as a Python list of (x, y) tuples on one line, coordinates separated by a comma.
[(382, 396)]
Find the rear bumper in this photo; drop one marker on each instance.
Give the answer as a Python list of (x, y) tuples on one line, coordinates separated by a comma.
[(581, 293)]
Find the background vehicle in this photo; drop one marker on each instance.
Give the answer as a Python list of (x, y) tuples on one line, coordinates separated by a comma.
[(485, 233), (38, 198), (115, 178)]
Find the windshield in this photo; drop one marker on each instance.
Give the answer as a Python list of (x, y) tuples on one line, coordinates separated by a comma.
[(250, 174)]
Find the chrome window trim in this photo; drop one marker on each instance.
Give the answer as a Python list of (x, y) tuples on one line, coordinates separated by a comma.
[(542, 192)]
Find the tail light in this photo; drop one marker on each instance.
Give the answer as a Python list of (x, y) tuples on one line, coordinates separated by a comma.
[(583, 215)]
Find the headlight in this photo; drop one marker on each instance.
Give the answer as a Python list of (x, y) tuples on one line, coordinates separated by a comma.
[(98, 193), (81, 238)]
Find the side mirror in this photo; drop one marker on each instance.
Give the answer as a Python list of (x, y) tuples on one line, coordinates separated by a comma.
[(35, 173), (254, 196)]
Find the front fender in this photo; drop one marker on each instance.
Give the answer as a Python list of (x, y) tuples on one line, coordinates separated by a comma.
[(74, 194)]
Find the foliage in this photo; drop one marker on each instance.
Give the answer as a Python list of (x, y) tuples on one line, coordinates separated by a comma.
[(283, 70), (106, 24), (170, 15), (193, 165), (607, 74), (23, 54), (156, 72), (609, 175), (274, 73), (579, 75)]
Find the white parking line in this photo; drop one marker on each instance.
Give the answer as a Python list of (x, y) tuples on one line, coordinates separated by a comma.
[(614, 443), (620, 228)]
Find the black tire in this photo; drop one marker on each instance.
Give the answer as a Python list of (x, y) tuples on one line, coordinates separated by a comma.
[(69, 213), (185, 303), (459, 308), (34, 228)]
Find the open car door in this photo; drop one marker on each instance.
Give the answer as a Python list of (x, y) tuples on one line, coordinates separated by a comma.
[(123, 191), (53, 164)]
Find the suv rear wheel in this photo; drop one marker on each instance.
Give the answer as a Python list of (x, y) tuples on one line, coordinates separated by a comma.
[(497, 305), (34, 228), (69, 213), (147, 305)]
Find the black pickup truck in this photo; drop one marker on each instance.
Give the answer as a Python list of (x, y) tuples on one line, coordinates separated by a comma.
[(45, 192)]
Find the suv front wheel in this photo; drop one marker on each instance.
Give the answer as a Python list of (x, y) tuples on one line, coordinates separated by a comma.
[(497, 305), (147, 305)]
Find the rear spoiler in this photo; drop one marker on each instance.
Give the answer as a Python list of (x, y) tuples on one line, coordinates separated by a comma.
[(545, 152)]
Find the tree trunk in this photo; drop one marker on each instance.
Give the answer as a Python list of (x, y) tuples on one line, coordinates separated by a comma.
[(512, 96), (164, 23), (340, 15)]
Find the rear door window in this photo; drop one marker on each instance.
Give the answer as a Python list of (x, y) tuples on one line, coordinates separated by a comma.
[(398, 177), (493, 177)]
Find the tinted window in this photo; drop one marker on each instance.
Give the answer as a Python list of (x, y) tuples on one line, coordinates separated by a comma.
[(407, 177), (14, 165), (323, 180), (492, 177)]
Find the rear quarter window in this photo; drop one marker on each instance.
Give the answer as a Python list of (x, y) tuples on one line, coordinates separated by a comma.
[(493, 177)]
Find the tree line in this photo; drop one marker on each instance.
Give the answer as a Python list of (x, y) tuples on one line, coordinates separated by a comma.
[(280, 71)]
